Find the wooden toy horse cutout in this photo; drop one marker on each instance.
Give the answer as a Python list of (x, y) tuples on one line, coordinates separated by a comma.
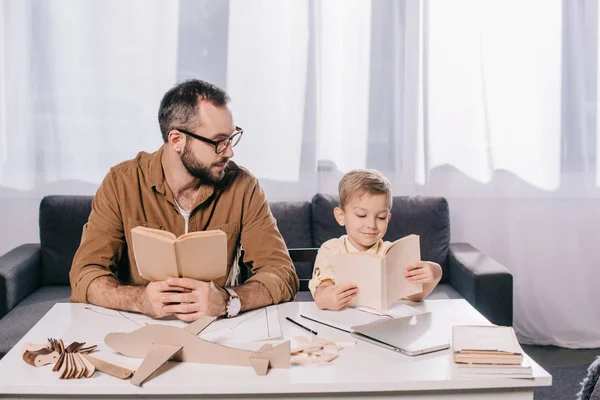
[(157, 344)]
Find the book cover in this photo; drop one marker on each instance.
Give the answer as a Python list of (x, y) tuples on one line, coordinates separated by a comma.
[(380, 278), (522, 371), (486, 345), (160, 255)]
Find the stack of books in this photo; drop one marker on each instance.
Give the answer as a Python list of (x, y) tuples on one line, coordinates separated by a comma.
[(489, 352)]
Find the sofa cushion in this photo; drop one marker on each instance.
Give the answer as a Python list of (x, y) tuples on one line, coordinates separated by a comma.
[(427, 217), (61, 223), (27, 313), (293, 221), (324, 225)]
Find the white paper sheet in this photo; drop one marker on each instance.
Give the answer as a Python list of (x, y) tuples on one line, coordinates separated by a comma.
[(250, 326)]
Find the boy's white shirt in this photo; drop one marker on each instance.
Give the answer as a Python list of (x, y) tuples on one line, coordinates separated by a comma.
[(323, 269)]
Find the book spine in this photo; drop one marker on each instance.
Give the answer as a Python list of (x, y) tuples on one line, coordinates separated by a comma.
[(177, 258)]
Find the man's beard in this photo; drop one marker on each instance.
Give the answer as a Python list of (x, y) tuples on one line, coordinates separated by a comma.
[(198, 170)]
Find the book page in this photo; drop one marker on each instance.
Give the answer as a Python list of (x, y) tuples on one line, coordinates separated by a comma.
[(364, 269), (402, 252), (154, 253), (200, 234), (202, 255), (487, 339)]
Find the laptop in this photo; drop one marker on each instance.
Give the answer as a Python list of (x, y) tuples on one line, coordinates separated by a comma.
[(413, 335)]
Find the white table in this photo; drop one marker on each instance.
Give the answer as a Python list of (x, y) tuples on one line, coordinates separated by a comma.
[(362, 371)]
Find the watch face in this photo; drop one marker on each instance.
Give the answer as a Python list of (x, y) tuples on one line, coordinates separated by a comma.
[(233, 308)]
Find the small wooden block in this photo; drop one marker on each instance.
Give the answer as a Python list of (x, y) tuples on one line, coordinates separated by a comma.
[(321, 342), (80, 366), (260, 365), (109, 368), (64, 369), (59, 362), (40, 357), (312, 349), (72, 366), (32, 347), (328, 357), (89, 367), (299, 349)]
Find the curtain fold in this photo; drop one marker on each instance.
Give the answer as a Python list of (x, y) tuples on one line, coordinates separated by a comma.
[(489, 103)]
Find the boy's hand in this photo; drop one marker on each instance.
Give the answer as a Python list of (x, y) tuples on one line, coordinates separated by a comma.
[(423, 272), (334, 297)]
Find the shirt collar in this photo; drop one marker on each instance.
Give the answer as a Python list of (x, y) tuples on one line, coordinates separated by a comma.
[(157, 176), (351, 249)]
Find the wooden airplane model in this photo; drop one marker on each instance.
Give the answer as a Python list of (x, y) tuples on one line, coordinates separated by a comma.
[(157, 344)]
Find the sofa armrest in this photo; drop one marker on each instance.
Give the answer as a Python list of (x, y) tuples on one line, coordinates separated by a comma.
[(20, 275), (483, 282)]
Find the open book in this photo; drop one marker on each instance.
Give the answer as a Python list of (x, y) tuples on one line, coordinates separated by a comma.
[(380, 278), (496, 345), (160, 255)]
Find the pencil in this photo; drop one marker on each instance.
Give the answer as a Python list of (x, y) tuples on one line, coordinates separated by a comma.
[(300, 325)]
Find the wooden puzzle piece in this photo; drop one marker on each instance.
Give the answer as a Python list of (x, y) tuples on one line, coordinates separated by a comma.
[(316, 351), (109, 368), (42, 356), (261, 365)]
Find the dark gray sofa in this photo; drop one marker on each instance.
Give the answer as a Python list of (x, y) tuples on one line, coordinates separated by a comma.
[(35, 276)]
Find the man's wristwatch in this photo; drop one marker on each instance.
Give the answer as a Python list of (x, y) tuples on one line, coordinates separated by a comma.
[(234, 304)]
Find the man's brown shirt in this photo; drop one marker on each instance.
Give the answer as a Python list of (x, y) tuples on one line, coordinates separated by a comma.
[(135, 193)]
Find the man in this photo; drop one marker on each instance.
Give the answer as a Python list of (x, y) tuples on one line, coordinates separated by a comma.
[(189, 184)]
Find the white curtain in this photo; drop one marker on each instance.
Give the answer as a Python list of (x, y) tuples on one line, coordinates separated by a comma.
[(489, 103)]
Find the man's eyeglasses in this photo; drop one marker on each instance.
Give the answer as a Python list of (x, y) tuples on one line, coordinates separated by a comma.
[(220, 145)]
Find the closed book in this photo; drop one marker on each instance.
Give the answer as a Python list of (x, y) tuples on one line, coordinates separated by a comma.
[(496, 345), (522, 371)]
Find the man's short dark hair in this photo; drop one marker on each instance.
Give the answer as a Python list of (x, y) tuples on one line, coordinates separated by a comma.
[(178, 107)]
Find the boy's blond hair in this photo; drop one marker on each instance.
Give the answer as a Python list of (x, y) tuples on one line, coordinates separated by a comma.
[(361, 181)]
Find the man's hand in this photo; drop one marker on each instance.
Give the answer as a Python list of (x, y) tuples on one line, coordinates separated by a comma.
[(329, 296), (153, 301), (423, 272), (194, 300)]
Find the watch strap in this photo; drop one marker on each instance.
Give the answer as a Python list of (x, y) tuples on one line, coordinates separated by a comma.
[(231, 292)]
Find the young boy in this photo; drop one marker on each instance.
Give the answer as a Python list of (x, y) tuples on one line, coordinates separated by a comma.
[(365, 203)]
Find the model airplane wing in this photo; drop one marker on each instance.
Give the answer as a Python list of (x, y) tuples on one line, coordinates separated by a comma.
[(199, 325), (156, 357)]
